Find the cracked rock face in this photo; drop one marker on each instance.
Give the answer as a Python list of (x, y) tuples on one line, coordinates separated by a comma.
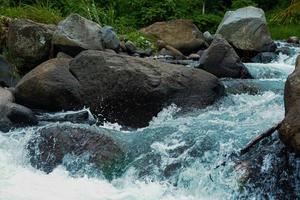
[(116, 88), (246, 29)]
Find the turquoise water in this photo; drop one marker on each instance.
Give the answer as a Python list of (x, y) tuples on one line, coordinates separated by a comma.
[(175, 157)]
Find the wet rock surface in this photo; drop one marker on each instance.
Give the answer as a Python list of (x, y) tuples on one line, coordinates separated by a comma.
[(221, 60), (52, 143), (117, 88)]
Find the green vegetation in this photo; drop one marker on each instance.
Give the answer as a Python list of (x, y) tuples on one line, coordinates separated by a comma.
[(284, 30), (127, 16)]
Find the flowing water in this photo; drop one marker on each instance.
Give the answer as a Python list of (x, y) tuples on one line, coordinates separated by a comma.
[(175, 157)]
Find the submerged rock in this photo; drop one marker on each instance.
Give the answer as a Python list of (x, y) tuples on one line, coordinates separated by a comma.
[(52, 143), (29, 43), (290, 127), (246, 29), (268, 172), (13, 115), (264, 57), (221, 60), (75, 34), (180, 34), (117, 88), (82, 117)]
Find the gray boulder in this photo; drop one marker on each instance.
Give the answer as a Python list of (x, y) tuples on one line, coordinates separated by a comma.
[(29, 43), (75, 33), (221, 60), (208, 37), (52, 143), (110, 39), (246, 29), (117, 88)]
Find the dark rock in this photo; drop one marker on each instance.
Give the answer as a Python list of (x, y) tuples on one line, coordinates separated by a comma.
[(110, 39), (200, 53), (123, 46), (4, 24), (246, 29), (130, 47), (82, 117), (293, 39), (180, 34), (194, 57), (117, 88), (52, 143), (50, 86), (75, 33), (144, 53), (221, 60), (169, 50), (289, 129), (13, 115), (29, 43), (264, 57), (285, 50), (268, 171), (8, 76), (20, 115)]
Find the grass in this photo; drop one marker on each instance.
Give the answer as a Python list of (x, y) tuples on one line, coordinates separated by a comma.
[(37, 13), (283, 31)]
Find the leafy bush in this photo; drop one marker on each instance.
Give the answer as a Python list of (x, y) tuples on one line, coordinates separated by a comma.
[(140, 40), (242, 3), (279, 32), (209, 22)]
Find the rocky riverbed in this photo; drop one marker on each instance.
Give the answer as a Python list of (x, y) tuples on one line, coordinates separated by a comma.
[(88, 116)]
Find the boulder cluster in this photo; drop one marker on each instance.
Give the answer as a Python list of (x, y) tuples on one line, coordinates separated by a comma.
[(79, 63)]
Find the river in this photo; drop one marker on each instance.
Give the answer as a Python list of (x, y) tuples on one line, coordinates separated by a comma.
[(175, 157)]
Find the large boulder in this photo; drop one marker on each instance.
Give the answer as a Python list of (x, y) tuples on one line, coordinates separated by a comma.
[(29, 43), (221, 60), (290, 127), (180, 34), (13, 115), (52, 143), (75, 33), (50, 86), (8, 75), (117, 88), (247, 30)]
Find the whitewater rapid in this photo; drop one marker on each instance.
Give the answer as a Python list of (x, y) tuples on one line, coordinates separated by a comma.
[(175, 157)]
